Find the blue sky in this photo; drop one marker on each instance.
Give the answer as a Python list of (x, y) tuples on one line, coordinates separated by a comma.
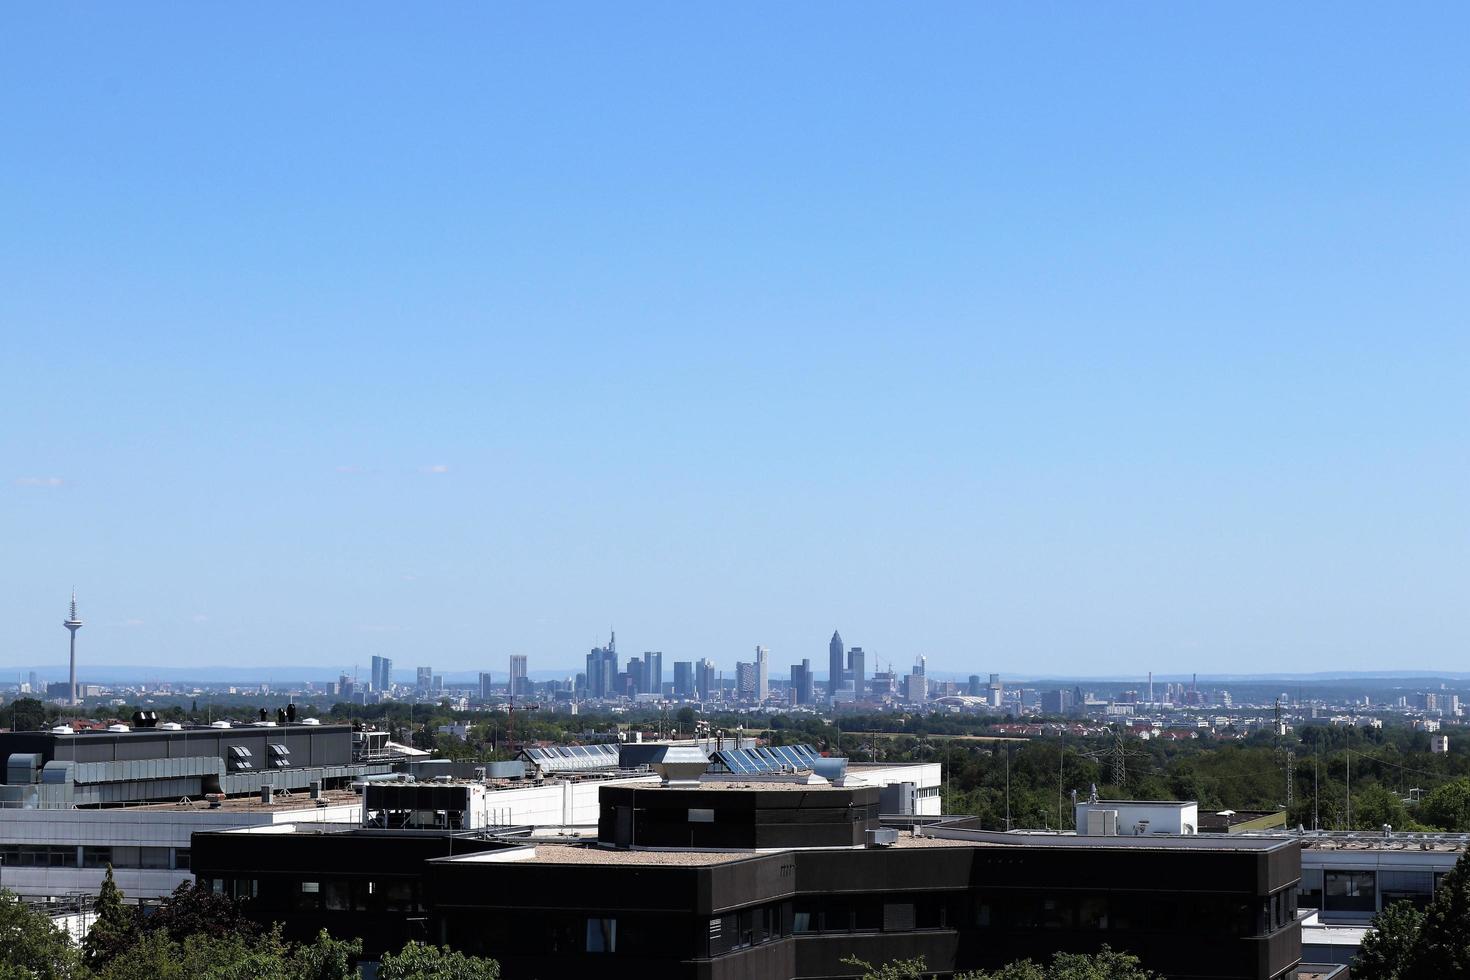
[(1052, 338)]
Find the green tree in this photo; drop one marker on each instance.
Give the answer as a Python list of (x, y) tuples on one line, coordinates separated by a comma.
[(1375, 806), (1107, 964), (326, 959), (1387, 945), (193, 910), (418, 961), (115, 929), (1442, 946), (233, 956), (27, 714), (913, 969), (31, 947), (1447, 807)]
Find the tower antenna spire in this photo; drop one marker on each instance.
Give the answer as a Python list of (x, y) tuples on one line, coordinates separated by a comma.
[(73, 624)]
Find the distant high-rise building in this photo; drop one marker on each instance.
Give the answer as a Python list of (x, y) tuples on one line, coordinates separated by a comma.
[(637, 675), (974, 690), (704, 678), (762, 673), (424, 680), (801, 682), (382, 675), (602, 670), (73, 624), (745, 681), (834, 665), (917, 684), (487, 689), (438, 686), (857, 665), (345, 687), (520, 685), (683, 678), (653, 672), (996, 691), (1056, 702)]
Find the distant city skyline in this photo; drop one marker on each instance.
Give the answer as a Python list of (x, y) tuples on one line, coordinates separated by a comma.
[(950, 326)]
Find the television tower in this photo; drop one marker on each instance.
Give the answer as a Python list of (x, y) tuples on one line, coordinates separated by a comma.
[(73, 624)]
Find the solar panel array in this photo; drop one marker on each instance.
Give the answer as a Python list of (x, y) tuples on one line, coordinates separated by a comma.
[(567, 758), (773, 759)]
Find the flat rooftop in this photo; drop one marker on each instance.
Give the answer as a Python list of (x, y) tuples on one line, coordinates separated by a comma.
[(753, 783), (568, 854), (1378, 842), (297, 800), (1233, 843)]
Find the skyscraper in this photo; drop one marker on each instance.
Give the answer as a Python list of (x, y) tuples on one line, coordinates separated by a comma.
[(762, 673), (857, 664), (834, 666), (683, 678), (916, 684), (801, 681), (602, 669), (653, 672), (424, 680), (974, 689), (637, 675), (704, 678), (486, 687), (745, 681), (519, 686), (73, 624), (382, 677)]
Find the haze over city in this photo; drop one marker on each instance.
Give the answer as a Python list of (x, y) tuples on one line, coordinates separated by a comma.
[(448, 338)]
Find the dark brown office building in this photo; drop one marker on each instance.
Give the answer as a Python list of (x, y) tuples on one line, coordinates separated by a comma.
[(777, 880)]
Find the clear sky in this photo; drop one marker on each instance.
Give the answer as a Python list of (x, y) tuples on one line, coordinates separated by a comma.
[(1086, 338)]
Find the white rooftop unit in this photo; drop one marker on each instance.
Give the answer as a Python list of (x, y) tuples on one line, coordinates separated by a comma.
[(1136, 818)]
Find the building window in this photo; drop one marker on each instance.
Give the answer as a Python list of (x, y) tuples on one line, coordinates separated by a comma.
[(308, 896), (602, 935), (337, 895), (1092, 913), (1350, 891), (898, 916), (96, 857), (153, 857), (181, 858)]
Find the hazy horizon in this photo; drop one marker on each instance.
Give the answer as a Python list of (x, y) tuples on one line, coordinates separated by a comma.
[(1085, 340)]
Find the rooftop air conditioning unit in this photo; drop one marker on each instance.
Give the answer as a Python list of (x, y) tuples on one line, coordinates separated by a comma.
[(882, 837)]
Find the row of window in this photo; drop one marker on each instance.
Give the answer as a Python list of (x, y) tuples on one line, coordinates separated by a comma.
[(72, 856), (634, 934), (325, 895), (1361, 891), (1013, 910)]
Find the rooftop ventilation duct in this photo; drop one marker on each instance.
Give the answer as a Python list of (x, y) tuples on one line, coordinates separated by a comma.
[(830, 769), (679, 765), (881, 837)]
